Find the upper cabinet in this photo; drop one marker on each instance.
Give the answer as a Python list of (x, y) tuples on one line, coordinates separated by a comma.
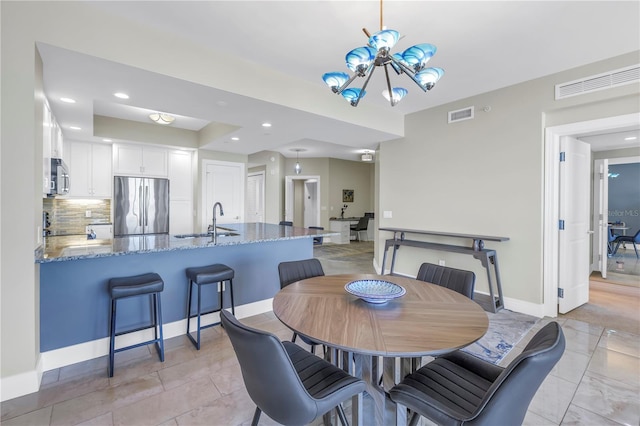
[(51, 145), (138, 160), (89, 168)]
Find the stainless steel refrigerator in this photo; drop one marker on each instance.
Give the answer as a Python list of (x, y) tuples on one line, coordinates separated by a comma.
[(141, 206)]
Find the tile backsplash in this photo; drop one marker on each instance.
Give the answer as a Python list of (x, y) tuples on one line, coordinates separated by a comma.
[(69, 216)]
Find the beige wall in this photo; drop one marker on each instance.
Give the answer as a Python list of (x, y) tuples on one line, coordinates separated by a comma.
[(485, 176), (351, 175)]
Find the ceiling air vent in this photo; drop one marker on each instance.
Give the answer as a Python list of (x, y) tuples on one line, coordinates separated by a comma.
[(461, 114), (594, 83)]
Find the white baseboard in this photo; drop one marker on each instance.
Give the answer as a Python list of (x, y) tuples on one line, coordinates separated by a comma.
[(96, 348), (21, 384)]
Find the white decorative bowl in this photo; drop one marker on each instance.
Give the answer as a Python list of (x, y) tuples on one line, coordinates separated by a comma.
[(375, 291)]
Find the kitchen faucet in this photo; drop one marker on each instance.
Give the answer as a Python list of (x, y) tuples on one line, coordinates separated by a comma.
[(217, 204)]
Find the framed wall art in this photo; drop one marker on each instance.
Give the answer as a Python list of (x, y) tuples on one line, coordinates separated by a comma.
[(347, 195)]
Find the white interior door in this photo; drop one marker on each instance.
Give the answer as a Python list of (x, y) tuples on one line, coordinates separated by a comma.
[(255, 197), (600, 216), (574, 239), (224, 182)]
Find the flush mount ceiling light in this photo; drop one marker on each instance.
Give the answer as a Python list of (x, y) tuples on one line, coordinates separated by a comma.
[(367, 156), (162, 118), (364, 60), (121, 95), (297, 168)]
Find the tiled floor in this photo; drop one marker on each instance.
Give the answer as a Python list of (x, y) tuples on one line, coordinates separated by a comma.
[(597, 381)]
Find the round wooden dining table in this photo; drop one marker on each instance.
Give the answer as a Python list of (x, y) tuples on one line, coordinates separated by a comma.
[(426, 320)]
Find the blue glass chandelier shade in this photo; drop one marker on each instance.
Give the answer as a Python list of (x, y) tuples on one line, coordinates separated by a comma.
[(362, 61)]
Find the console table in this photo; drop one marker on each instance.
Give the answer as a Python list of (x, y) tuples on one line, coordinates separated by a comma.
[(487, 257)]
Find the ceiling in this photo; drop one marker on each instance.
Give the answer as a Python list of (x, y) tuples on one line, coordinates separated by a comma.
[(482, 46)]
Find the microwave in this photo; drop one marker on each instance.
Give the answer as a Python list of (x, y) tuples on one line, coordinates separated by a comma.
[(59, 182)]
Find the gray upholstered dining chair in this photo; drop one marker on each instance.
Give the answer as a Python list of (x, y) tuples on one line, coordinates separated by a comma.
[(297, 270), (360, 227), (457, 280), (287, 383), (635, 239), (458, 388)]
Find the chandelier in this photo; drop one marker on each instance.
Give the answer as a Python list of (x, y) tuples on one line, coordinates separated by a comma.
[(363, 61)]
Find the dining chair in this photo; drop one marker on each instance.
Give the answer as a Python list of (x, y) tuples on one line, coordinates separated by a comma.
[(620, 239), (297, 270), (287, 383), (361, 226), (317, 241), (458, 388), (611, 239), (454, 279)]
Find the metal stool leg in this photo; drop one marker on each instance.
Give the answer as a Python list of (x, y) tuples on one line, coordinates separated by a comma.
[(189, 305), (112, 337), (199, 312), (233, 305), (158, 324)]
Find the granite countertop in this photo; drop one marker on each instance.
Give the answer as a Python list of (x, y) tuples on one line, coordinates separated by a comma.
[(65, 248)]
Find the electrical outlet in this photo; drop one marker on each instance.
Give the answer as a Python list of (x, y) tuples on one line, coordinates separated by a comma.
[(87, 213), (441, 262)]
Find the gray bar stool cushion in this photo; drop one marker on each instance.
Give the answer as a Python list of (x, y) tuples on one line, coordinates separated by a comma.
[(134, 286), (210, 274)]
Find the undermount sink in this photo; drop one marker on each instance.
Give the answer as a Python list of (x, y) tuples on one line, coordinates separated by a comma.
[(205, 235), (85, 250)]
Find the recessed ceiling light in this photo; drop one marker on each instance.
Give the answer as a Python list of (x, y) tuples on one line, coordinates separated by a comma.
[(75, 127), (235, 138), (121, 95), (266, 124), (631, 138), (107, 140), (68, 100)]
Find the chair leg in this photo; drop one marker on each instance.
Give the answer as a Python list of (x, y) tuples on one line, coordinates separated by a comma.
[(189, 305), (112, 337), (295, 336), (158, 325), (414, 419), (233, 305), (342, 416), (636, 250), (256, 417)]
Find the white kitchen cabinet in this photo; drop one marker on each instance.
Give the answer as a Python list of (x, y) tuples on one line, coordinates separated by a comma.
[(139, 160), (52, 145), (89, 169), (180, 192)]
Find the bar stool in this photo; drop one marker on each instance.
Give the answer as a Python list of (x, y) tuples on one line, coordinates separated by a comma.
[(204, 275), (139, 285)]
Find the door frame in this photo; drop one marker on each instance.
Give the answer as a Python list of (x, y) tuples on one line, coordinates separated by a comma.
[(288, 192), (262, 190), (551, 213)]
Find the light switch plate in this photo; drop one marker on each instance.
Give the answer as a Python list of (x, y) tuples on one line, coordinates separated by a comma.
[(387, 214)]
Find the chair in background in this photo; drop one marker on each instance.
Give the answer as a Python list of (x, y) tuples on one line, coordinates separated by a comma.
[(286, 223), (297, 270), (317, 241), (307, 386), (459, 388), (457, 280), (360, 227), (612, 238), (621, 239)]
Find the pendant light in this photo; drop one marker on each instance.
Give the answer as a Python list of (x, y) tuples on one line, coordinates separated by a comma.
[(298, 168)]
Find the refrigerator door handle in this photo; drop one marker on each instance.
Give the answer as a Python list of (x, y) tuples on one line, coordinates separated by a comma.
[(140, 205), (146, 206)]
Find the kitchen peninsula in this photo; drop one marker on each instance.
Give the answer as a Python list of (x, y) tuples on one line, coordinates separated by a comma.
[(74, 275)]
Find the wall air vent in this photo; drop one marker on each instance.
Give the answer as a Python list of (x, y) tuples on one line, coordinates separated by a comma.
[(607, 80), (461, 114)]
